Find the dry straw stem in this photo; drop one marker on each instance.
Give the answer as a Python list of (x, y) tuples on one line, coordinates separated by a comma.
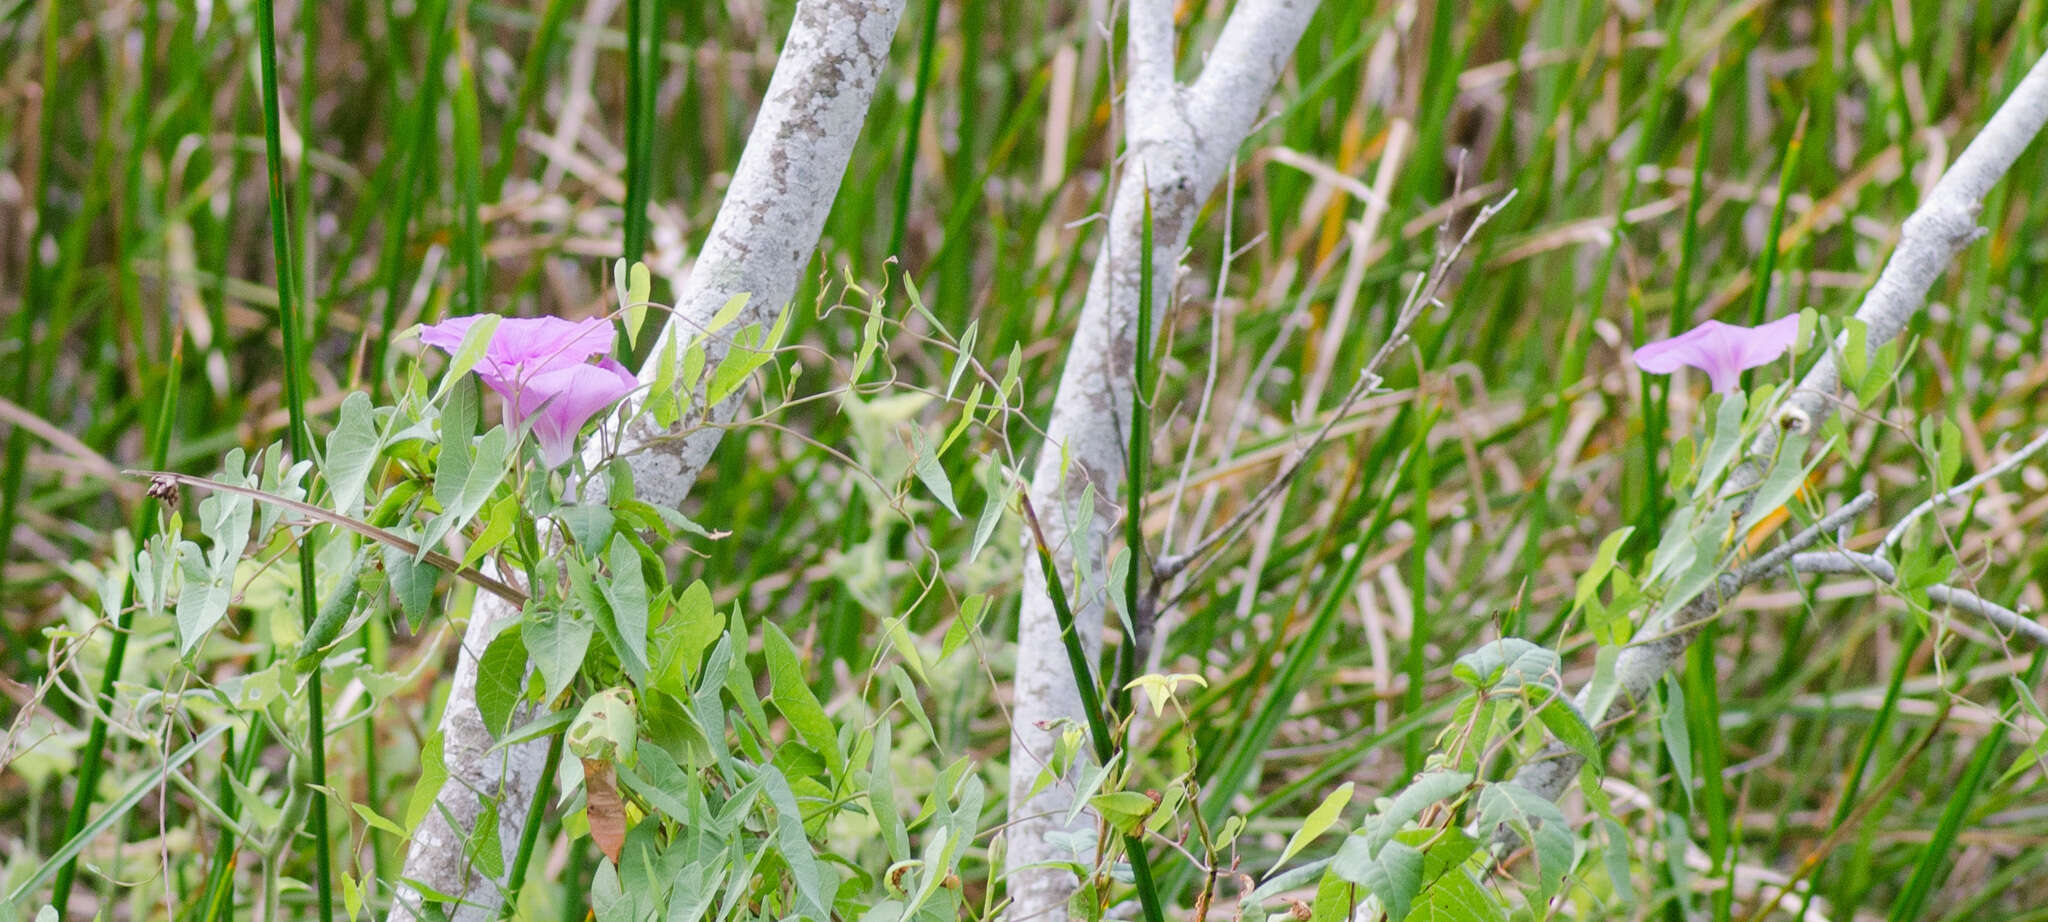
[(1178, 141), (766, 230), (1928, 242)]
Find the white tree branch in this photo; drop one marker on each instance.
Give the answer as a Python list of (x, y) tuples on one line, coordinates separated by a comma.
[(1899, 529), (1178, 143), (1929, 240), (764, 235)]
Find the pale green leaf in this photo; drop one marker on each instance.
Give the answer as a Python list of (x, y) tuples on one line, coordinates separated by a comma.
[(1427, 788), (500, 681), (930, 473), (433, 774), (1562, 719), (1506, 662), (812, 894), (1317, 822), (474, 344), (793, 697), (1538, 820), (1677, 733), (626, 591), (1394, 875), (726, 314), (377, 820), (556, 642), (1726, 441), (498, 526), (351, 450), (589, 525)]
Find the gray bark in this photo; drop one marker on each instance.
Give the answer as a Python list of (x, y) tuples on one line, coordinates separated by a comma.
[(1178, 139)]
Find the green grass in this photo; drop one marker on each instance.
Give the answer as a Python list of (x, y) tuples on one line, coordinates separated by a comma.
[(1743, 160)]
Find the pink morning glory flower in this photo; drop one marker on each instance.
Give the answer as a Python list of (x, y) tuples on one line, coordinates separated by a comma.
[(1722, 350), (541, 366)]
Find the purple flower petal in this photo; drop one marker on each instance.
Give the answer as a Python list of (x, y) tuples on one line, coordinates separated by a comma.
[(522, 347), (1724, 351), (545, 343), (557, 403), (447, 335)]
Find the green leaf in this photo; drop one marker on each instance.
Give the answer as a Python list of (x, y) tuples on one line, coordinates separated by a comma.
[(1726, 441), (1395, 876), (795, 846), (1884, 369), (433, 774), (1948, 454), (351, 450), (546, 725), (1787, 474), (1318, 821), (463, 482), (589, 525), (1507, 662), (351, 897), (1335, 899), (1602, 688), (963, 357), (500, 681), (556, 642), (662, 397), (474, 344), (1427, 788), (750, 350), (1677, 734), (665, 795), (1125, 811), (412, 583), (333, 614), (1619, 873), (727, 313), (1604, 624), (1449, 891), (1538, 821), (626, 590), (999, 491), (966, 418), (498, 525), (1809, 320), (1856, 353), (634, 287), (484, 847), (882, 796), (1603, 563), (202, 600), (792, 696), (965, 624), (691, 628), (930, 472), (377, 820), (1562, 719), (208, 578)]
